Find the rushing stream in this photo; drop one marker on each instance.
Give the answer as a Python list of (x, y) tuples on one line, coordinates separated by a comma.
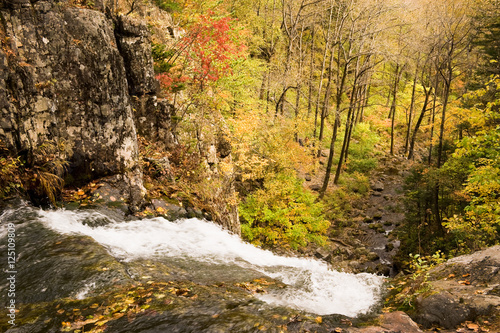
[(205, 253)]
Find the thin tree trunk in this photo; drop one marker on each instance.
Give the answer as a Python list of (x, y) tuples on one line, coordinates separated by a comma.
[(330, 155), (347, 136), (323, 66), (443, 120), (419, 122), (393, 106), (326, 103), (412, 105), (340, 91), (365, 103), (432, 119), (311, 66)]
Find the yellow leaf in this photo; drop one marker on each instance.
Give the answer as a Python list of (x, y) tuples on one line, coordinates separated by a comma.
[(129, 301), (102, 322), (319, 320)]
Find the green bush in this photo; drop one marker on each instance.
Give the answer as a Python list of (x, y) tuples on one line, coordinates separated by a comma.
[(168, 5), (361, 151), (283, 213)]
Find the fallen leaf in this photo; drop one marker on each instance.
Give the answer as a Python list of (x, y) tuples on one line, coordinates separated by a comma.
[(319, 320), (102, 322), (464, 282), (118, 315), (61, 311), (473, 326), (466, 275), (129, 301)]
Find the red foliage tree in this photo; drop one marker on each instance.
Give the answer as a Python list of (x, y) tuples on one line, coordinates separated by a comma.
[(206, 53)]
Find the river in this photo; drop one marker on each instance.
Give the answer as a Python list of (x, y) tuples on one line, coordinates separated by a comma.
[(84, 254)]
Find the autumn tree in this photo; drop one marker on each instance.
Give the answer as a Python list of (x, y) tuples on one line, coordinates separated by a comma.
[(355, 49)]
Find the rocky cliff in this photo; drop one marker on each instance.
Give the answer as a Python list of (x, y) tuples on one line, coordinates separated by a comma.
[(63, 77), (82, 78)]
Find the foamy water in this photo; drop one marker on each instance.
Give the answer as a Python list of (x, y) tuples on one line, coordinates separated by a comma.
[(312, 286)]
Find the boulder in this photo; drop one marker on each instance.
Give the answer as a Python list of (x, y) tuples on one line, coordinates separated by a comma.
[(377, 186), (394, 322), (464, 288)]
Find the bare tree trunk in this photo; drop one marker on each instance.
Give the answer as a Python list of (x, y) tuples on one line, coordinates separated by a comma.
[(443, 120), (432, 119), (323, 66), (419, 122), (393, 105), (326, 103), (347, 135), (412, 105), (340, 91), (365, 102), (311, 67)]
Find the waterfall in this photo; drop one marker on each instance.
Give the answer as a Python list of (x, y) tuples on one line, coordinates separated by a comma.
[(311, 285)]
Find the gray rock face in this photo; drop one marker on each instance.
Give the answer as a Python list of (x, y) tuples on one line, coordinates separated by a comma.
[(63, 78), (464, 288), (135, 48), (85, 78)]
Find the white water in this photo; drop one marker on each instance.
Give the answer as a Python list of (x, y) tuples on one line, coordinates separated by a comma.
[(313, 287)]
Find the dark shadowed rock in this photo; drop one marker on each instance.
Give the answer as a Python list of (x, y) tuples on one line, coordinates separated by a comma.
[(315, 187), (135, 48)]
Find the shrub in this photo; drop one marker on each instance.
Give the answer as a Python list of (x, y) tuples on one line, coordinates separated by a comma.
[(283, 213)]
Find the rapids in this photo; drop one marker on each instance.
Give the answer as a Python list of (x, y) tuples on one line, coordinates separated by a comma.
[(312, 286)]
